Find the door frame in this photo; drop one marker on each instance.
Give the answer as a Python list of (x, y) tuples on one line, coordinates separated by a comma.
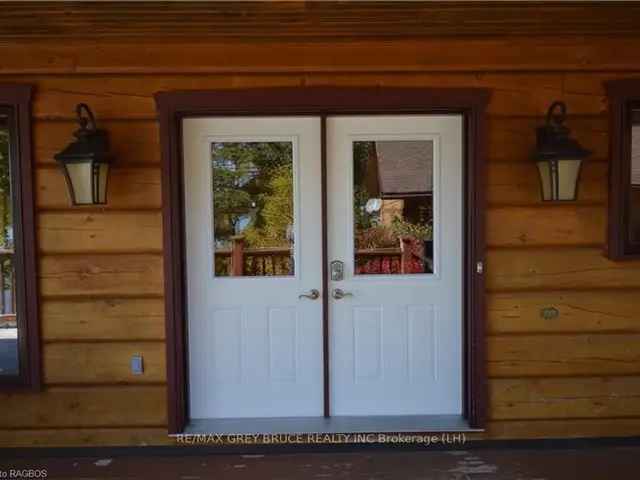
[(174, 106)]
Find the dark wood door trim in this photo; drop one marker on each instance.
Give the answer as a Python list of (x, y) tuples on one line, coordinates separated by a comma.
[(323, 101), (325, 271)]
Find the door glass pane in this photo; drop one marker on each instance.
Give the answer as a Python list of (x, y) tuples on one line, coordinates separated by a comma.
[(634, 208), (9, 356), (393, 206), (253, 208)]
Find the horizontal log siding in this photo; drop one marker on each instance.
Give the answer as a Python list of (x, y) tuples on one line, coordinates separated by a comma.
[(317, 20), (101, 273)]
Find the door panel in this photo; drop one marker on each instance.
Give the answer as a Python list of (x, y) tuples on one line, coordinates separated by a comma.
[(395, 220), (253, 246)]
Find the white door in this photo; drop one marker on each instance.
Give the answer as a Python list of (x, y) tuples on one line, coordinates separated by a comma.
[(253, 246), (395, 221)]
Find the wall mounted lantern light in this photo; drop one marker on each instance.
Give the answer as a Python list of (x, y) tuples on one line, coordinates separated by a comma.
[(559, 158), (85, 162)]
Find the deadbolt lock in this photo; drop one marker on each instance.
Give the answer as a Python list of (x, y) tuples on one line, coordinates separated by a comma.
[(337, 270)]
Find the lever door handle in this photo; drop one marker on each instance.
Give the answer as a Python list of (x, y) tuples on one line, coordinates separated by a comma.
[(312, 295), (338, 293)]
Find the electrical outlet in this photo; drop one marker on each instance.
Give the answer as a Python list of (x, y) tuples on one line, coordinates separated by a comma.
[(137, 365), (549, 313)]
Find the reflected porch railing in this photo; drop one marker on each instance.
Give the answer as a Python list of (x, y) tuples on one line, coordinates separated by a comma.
[(254, 262), (270, 261)]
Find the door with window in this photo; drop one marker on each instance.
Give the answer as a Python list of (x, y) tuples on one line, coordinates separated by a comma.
[(254, 247), (395, 243), (254, 266)]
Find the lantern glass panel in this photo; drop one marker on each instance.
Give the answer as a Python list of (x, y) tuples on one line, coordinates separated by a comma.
[(544, 169), (102, 170), (80, 177), (568, 172)]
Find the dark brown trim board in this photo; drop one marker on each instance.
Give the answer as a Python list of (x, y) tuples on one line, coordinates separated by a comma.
[(254, 19), (15, 101), (323, 101), (624, 96)]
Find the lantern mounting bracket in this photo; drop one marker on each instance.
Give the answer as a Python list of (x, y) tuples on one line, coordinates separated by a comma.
[(559, 117), (86, 120)]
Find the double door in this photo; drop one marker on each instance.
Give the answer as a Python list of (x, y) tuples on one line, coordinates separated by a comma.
[(296, 312)]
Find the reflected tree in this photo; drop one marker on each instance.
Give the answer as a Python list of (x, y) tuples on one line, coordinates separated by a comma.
[(253, 191), (6, 230)]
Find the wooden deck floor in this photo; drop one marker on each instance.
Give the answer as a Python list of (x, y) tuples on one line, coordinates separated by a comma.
[(470, 464)]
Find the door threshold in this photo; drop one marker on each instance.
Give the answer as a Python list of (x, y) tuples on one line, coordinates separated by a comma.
[(339, 424)]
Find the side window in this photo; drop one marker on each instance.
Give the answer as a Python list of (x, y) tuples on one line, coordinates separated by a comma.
[(634, 198), (19, 336), (624, 185)]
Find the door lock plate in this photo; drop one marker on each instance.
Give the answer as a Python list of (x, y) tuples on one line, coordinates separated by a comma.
[(337, 270)]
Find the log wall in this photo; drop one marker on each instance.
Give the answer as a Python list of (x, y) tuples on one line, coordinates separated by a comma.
[(101, 275)]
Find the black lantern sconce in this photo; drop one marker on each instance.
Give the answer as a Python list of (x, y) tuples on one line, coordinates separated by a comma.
[(85, 162), (559, 158)]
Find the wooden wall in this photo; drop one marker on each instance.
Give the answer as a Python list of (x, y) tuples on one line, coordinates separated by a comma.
[(101, 277)]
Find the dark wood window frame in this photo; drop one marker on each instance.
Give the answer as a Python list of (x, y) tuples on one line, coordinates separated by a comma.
[(15, 101), (173, 107), (623, 95)]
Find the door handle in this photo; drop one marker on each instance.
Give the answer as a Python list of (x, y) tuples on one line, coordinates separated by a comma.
[(312, 295), (338, 293)]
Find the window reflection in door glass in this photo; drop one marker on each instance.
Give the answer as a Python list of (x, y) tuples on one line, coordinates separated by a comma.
[(393, 207), (253, 208), (634, 207), (9, 356)]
